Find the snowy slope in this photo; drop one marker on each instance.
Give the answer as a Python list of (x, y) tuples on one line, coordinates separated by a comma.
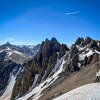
[(8, 92), (86, 92)]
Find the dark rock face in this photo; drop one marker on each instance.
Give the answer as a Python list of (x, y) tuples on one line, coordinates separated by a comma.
[(44, 61), (71, 65), (62, 50), (80, 40), (98, 79), (88, 40), (25, 80), (73, 50), (92, 44)]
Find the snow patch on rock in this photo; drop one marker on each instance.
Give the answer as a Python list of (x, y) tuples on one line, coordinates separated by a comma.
[(98, 74), (97, 52), (7, 94), (83, 55)]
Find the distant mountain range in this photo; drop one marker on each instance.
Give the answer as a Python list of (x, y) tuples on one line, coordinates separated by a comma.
[(19, 54), (49, 70)]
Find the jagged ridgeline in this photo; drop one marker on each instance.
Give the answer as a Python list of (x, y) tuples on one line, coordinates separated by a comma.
[(82, 63), (70, 68), (53, 56), (41, 65), (54, 69)]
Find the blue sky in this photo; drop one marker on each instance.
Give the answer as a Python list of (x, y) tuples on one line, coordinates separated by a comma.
[(31, 21)]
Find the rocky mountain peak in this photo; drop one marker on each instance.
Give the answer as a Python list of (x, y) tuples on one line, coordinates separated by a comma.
[(42, 64), (53, 40), (55, 45), (79, 40), (48, 47), (88, 40), (7, 45), (46, 40)]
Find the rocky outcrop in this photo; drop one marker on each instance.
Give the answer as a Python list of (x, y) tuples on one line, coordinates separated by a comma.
[(88, 40), (73, 50), (42, 64), (79, 41), (63, 48)]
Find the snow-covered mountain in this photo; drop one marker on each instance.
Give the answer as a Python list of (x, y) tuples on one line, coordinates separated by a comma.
[(56, 70), (19, 54)]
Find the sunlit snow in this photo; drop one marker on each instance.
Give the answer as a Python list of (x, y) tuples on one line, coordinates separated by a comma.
[(86, 92), (8, 92)]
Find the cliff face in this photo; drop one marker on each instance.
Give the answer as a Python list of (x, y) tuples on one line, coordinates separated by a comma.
[(41, 65)]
